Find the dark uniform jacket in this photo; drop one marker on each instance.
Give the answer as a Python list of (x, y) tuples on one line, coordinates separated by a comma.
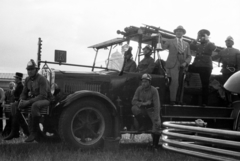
[(146, 65), (130, 66), (36, 88), (144, 95), (18, 91), (9, 96), (204, 54), (229, 57)]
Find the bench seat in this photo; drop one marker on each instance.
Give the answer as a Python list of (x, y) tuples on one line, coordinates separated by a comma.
[(43, 111)]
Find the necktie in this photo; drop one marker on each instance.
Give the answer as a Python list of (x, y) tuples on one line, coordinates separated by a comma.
[(180, 48)]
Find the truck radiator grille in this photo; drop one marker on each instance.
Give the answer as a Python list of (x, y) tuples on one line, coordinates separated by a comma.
[(72, 87)]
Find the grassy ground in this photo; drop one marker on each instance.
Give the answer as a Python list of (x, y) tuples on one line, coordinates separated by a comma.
[(129, 150)]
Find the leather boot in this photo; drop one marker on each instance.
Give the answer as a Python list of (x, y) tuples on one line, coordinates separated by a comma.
[(155, 140), (33, 128), (14, 127)]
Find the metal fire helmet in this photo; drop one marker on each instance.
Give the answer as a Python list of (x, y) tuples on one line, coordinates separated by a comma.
[(233, 84), (31, 65), (147, 76)]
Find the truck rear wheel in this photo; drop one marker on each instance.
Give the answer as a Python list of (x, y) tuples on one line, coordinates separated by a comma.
[(84, 123)]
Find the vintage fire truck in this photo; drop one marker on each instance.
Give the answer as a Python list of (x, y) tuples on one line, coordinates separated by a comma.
[(90, 106)]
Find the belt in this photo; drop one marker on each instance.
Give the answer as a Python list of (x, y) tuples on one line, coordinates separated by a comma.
[(180, 53), (231, 69), (203, 54)]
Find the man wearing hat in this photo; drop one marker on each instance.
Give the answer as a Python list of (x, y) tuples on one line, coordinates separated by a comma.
[(36, 93), (230, 59), (146, 102), (9, 98), (147, 64), (129, 64), (178, 58), (17, 120), (19, 85), (203, 61)]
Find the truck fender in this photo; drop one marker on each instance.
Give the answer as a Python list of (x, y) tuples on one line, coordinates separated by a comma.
[(86, 93), (236, 114)]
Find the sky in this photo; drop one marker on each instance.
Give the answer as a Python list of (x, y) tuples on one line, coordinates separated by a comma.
[(74, 25)]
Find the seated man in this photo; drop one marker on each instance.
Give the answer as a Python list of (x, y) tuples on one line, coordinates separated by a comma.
[(36, 93), (9, 98), (16, 119), (147, 64), (129, 64), (146, 102)]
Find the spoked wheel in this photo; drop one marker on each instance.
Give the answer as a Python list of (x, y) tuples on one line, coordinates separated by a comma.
[(84, 124)]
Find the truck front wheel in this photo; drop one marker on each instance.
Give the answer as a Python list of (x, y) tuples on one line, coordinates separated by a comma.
[(84, 123)]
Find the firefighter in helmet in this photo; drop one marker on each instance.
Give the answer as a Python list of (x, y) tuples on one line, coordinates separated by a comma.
[(146, 102), (36, 93)]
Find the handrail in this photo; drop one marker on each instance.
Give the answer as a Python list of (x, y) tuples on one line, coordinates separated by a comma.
[(76, 65), (186, 138)]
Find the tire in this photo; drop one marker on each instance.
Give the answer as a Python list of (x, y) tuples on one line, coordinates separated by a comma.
[(84, 124)]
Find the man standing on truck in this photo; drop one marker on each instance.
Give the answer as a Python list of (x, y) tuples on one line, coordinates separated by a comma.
[(178, 58), (147, 64), (203, 61), (230, 59), (146, 102), (36, 93)]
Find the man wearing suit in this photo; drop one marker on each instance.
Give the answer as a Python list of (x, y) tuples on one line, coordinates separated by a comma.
[(179, 57)]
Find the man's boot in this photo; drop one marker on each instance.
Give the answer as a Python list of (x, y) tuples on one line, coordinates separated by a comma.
[(33, 128), (14, 127), (156, 138)]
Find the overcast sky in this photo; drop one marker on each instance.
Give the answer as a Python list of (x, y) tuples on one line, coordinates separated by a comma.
[(73, 25)]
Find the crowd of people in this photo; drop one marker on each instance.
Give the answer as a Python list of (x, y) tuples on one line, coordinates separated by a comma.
[(34, 93), (179, 59)]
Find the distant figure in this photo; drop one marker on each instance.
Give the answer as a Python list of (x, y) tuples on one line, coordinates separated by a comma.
[(146, 65), (146, 102), (203, 61), (178, 58), (17, 119), (130, 65), (9, 94), (9, 98), (2, 98), (19, 85)]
